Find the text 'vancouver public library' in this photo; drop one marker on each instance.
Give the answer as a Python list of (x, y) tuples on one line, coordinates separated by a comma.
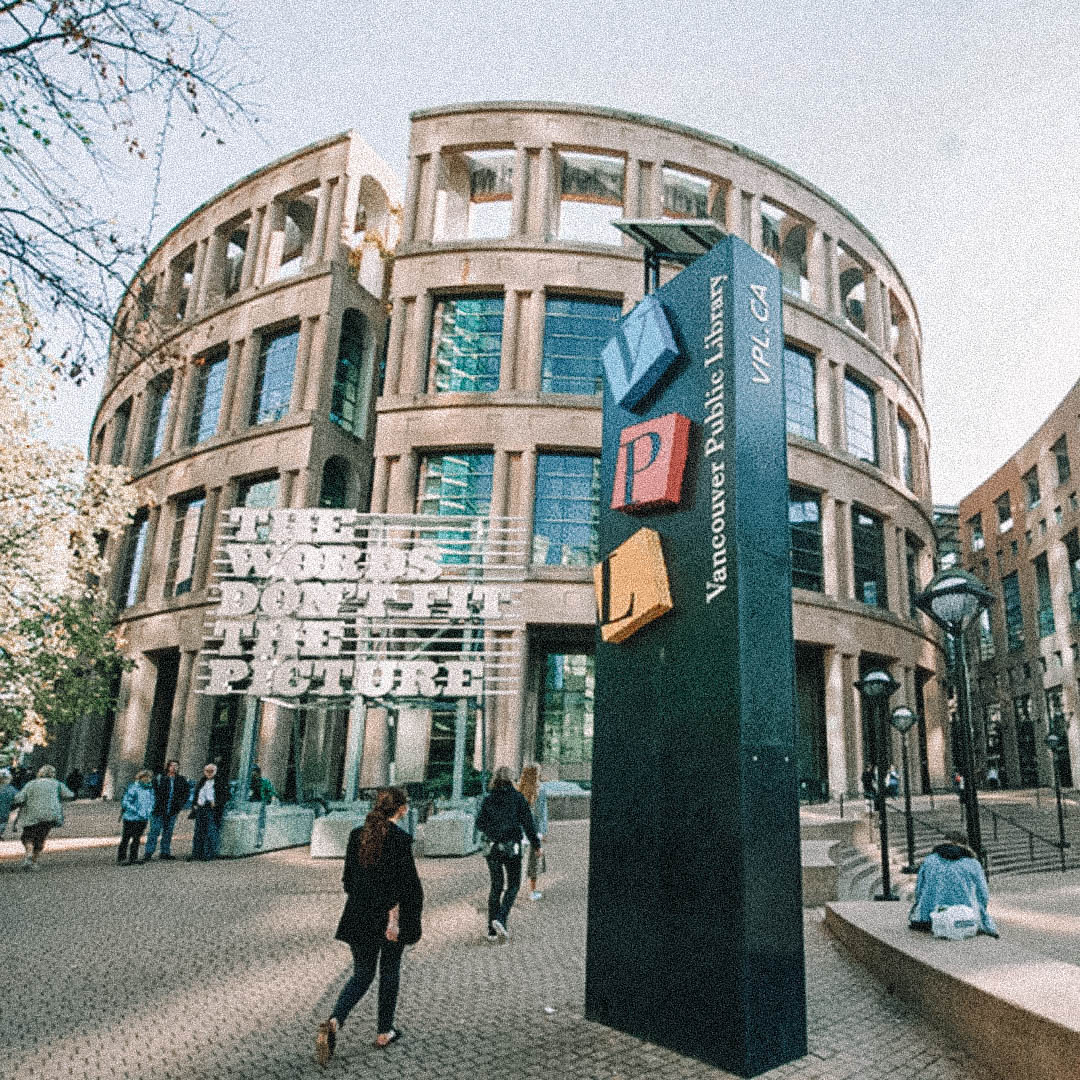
[(316, 340)]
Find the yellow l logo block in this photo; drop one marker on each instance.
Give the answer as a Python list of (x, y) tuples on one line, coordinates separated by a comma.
[(632, 586)]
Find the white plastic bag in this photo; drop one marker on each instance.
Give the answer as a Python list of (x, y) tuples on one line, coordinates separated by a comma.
[(955, 923)]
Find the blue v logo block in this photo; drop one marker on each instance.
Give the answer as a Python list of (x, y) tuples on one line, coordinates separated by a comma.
[(641, 350)]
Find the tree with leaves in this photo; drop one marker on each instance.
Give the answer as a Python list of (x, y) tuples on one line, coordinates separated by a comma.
[(59, 654), (81, 81)]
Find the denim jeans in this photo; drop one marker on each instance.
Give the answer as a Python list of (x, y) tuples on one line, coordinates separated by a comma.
[(505, 882), (388, 956), (160, 827), (204, 845)]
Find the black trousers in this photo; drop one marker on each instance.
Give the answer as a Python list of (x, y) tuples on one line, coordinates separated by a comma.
[(387, 954), (505, 882), (130, 834)]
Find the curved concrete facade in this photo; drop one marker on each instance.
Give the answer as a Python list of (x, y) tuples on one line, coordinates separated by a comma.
[(502, 281)]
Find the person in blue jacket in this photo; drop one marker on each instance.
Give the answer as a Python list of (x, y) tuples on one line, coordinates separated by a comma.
[(949, 875), (135, 809)]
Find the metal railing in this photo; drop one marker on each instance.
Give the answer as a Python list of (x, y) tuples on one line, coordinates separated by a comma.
[(1031, 835)]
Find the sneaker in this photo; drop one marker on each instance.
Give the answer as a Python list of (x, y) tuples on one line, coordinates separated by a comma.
[(325, 1041), (492, 936), (536, 894), (500, 931)]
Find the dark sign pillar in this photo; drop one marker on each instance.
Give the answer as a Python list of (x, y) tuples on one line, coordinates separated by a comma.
[(695, 919)]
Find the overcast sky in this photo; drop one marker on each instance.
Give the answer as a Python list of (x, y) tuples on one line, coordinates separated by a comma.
[(949, 130)]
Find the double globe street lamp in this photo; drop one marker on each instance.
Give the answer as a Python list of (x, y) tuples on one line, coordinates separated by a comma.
[(903, 719), (953, 599), (876, 687)]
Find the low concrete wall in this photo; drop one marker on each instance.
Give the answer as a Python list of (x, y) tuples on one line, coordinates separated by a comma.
[(450, 832), (330, 833), (819, 873), (284, 826), (1015, 1011)]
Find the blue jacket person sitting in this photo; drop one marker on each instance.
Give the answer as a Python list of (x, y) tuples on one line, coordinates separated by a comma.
[(949, 875)]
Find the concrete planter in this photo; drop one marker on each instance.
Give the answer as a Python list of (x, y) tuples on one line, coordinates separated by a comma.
[(330, 833), (282, 827), (449, 832)]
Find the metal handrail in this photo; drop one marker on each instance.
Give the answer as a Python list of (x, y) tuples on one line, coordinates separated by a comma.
[(1032, 836)]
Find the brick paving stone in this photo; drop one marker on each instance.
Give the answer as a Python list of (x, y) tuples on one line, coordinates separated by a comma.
[(223, 971)]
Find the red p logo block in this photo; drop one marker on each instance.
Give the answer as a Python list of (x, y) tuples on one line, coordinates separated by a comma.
[(650, 463)]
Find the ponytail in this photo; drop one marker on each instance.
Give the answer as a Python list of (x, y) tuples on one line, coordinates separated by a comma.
[(377, 824)]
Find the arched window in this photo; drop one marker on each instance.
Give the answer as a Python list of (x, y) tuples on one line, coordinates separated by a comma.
[(334, 493)]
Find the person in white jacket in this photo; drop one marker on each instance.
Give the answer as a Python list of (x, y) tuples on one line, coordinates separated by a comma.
[(39, 810)]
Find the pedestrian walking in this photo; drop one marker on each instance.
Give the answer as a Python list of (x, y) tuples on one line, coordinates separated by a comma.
[(892, 782), (40, 810), (529, 785), (171, 791), (381, 916), (208, 808), (8, 791), (504, 819), (135, 809)]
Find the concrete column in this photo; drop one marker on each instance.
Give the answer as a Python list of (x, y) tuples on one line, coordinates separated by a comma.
[(318, 229), (228, 390), (632, 194), (412, 192), (320, 370), (202, 566), (270, 244), (375, 764), (500, 483), (332, 241), (528, 497), (654, 207), (198, 275), (853, 744), (890, 440), (185, 379), (136, 428), (818, 269), (831, 554), (546, 192), (378, 485), (130, 749), (414, 370), (176, 407), (251, 251), (302, 366), (520, 191), (398, 319), (872, 312), (845, 569), (754, 223), (401, 496), (151, 560), (210, 285), (507, 361), (530, 358), (831, 283), (245, 385), (733, 213), (823, 400), (836, 741), (839, 432), (431, 178), (885, 430), (892, 569)]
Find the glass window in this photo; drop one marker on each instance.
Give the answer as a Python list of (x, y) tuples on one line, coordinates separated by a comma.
[(564, 728), (1003, 505), (804, 515), (442, 741), (127, 592), (801, 401), (453, 485), (912, 547), (575, 332), (334, 493), (261, 492), (566, 509), (157, 419), (590, 197), (180, 571), (986, 636), (1031, 487), (121, 421), (783, 243), (206, 395), (903, 445), (861, 419), (274, 375), (1042, 589), (1014, 617), (1060, 450), (466, 344), (687, 195), (346, 400), (978, 539), (868, 547)]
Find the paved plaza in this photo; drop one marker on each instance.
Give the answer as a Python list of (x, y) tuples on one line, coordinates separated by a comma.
[(185, 970)]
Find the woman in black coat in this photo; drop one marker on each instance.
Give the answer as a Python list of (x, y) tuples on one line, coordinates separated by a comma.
[(381, 916)]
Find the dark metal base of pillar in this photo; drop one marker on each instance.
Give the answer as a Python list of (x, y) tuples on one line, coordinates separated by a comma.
[(891, 896)]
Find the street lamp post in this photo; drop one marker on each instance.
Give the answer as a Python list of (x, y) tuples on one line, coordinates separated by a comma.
[(903, 719), (1055, 742), (953, 599), (876, 687)]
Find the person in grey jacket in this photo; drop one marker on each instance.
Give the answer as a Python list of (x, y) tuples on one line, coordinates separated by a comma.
[(136, 807), (40, 810), (8, 792)]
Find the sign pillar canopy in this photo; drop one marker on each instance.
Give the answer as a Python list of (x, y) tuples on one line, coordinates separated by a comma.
[(694, 696)]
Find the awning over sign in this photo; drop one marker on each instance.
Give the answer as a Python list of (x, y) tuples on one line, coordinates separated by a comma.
[(681, 240)]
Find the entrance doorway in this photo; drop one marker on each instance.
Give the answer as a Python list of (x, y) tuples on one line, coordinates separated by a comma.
[(167, 663), (811, 750)]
